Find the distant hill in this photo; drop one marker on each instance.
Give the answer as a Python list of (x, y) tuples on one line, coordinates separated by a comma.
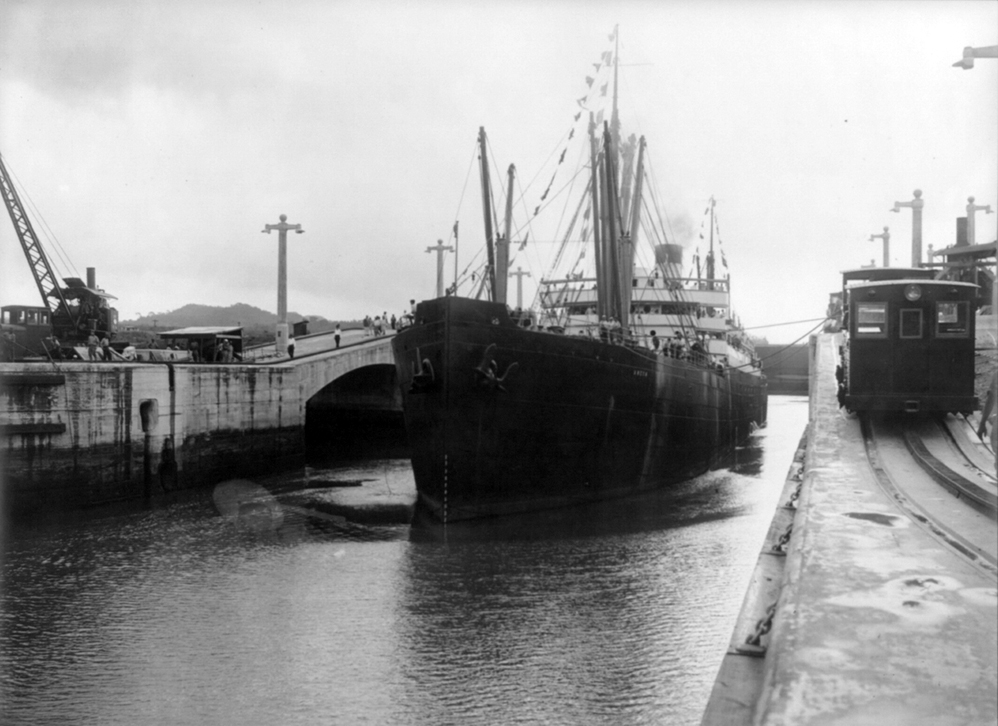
[(192, 314), (257, 324)]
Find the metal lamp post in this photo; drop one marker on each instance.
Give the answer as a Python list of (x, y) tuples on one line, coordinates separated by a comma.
[(886, 237), (916, 205), (967, 62), (519, 274), (971, 209), (281, 334), (440, 248)]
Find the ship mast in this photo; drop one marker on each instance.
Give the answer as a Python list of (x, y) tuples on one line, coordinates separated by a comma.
[(629, 240), (611, 214), (594, 188), (614, 254), (614, 119), (710, 253), (502, 245), (487, 210), (615, 243)]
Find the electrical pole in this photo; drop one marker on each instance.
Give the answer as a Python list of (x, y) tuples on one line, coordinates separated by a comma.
[(971, 208), (281, 334), (519, 274), (916, 205), (440, 248), (886, 237)]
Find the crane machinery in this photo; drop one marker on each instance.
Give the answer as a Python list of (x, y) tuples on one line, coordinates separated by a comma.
[(71, 312)]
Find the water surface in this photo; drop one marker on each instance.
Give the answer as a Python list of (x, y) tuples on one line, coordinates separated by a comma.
[(617, 613)]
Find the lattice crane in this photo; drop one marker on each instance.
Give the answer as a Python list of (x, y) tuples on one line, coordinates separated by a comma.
[(76, 310)]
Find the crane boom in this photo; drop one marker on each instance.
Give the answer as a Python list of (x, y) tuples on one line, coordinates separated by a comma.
[(51, 293), (77, 309)]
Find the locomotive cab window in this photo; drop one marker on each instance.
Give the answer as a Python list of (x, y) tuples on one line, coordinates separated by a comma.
[(951, 319), (911, 323), (871, 320)]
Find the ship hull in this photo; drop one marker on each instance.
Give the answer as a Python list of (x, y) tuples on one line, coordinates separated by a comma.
[(503, 419)]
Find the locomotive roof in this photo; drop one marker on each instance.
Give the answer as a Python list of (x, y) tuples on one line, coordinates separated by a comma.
[(911, 281), (886, 273)]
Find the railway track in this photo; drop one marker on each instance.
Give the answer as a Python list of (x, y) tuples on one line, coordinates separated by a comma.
[(931, 470), (948, 460)]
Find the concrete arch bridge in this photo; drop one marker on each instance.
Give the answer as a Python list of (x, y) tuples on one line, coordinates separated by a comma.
[(78, 433), (354, 387)]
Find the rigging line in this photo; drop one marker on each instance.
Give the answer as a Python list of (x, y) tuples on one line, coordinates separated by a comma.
[(658, 196), (544, 205), (788, 345), (651, 224), (791, 322), (467, 178), (516, 233), (568, 234), (36, 213), (56, 246), (478, 271), (474, 261), (534, 253), (568, 185), (502, 189), (543, 166)]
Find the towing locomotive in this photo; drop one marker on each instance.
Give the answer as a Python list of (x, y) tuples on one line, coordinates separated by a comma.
[(908, 342)]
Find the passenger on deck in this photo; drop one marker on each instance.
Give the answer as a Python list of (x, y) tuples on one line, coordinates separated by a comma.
[(676, 345), (92, 342), (697, 347)]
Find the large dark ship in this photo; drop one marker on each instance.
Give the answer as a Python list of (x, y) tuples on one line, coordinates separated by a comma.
[(624, 378)]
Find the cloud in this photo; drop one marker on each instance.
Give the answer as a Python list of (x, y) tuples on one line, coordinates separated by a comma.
[(78, 52)]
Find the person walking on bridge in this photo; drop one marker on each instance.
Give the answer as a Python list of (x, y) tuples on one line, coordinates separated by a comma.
[(336, 335)]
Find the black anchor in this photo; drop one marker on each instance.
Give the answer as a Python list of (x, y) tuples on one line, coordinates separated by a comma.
[(422, 379), (487, 371)]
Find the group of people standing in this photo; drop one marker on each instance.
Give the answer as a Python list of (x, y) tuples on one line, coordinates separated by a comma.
[(93, 342), (677, 346), (610, 329), (381, 324)]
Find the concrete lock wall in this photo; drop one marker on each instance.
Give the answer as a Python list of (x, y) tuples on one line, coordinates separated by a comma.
[(88, 433)]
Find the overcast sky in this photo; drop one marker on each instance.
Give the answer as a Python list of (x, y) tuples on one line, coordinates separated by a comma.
[(156, 139)]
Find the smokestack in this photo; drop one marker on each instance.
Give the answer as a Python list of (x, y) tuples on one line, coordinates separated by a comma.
[(92, 277), (961, 232)]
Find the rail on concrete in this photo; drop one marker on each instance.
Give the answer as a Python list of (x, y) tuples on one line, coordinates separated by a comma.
[(872, 619)]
